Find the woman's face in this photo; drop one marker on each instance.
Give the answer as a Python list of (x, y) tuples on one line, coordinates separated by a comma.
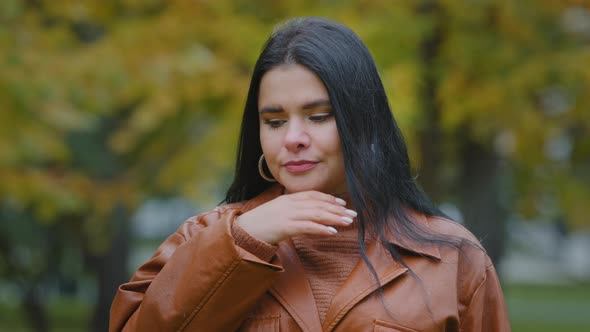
[(298, 131)]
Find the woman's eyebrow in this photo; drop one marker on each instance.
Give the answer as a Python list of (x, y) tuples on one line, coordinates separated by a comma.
[(316, 103), (306, 106), (271, 109)]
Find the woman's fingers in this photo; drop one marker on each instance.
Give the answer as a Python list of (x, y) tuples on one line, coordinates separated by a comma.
[(325, 214), (310, 212), (320, 208), (335, 209), (319, 196), (312, 228), (322, 216)]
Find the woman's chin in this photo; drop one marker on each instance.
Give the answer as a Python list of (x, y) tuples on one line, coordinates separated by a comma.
[(291, 188)]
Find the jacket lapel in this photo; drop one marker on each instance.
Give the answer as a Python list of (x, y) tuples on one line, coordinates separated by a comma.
[(292, 290), (361, 283), (294, 293)]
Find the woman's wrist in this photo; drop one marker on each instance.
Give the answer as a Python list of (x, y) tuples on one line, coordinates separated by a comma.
[(261, 249)]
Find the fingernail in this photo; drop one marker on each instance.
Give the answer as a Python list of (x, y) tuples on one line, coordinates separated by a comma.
[(351, 213), (332, 229), (340, 201), (347, 219)]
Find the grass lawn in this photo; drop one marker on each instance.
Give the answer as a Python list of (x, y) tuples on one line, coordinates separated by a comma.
[(549, 308), (65, 314), (532, 308)]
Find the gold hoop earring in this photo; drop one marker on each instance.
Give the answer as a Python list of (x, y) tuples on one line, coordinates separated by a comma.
[(261, 171)]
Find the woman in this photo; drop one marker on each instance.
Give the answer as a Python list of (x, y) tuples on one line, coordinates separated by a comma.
[(325, 228)]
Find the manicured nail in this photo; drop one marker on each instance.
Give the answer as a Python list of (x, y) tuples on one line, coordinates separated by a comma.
[(340, 201), (347, 220), (332, 229), (351, 213)]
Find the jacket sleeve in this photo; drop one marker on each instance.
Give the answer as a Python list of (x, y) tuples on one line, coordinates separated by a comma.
[(486, 309), (198, 279)]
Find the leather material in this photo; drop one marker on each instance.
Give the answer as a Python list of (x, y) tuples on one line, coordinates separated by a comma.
[(200, 280)]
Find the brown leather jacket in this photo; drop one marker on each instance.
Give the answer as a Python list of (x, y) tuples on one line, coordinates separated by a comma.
[(200, 280)]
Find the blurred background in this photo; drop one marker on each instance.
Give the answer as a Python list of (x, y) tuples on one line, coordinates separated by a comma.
[(119, 119)]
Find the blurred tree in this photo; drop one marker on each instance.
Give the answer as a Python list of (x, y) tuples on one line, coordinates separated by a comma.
[(490, 95), (498, 62), (105, 103)]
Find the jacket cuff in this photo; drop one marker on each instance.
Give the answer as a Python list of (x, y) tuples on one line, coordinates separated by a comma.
[(260, 249)]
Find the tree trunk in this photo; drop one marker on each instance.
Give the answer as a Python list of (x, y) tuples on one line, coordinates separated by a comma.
[(35, 310), (480, 197), (111, 269), (430, 135)]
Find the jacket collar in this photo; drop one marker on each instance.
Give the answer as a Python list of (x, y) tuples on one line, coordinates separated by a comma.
[(293, 291), (361, 283), (292, 288), (410, 245)]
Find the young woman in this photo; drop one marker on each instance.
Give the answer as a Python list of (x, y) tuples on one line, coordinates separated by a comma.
[(324, 229)]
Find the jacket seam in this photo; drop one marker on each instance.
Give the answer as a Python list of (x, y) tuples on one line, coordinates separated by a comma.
[(462, 227), (268, 316), (354, 300), (452, 222), (485, 278), (298, 319), (209, 295)]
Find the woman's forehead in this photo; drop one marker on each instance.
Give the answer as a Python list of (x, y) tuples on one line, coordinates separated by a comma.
[(291, 85)]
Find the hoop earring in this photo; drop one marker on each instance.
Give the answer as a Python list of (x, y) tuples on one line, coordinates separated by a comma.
[(261, 171)]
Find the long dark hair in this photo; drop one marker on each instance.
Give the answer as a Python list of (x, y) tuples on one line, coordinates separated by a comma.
[(377, 166)]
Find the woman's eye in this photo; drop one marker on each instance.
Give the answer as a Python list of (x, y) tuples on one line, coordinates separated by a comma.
[(274, 123), (321, 117)]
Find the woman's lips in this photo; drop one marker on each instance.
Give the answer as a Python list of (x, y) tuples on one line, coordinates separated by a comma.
[(300, 166)]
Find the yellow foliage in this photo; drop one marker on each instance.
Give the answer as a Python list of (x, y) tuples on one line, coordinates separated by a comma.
[(157, 92)]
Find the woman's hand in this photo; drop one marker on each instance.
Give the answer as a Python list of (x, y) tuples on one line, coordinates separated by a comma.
[(302, 213)]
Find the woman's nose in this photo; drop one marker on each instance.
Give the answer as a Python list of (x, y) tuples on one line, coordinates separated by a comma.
[(297, 137)]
